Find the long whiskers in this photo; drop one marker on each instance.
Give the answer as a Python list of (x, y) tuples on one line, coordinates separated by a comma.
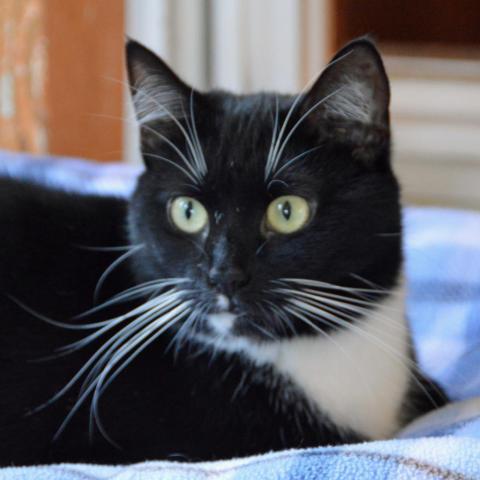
[(92, 248), (144, 313), (197, 164), (330, 286), (314, 305), (175, 165), (141, 326), (112, 267), (289, 162), (284, 143), (297, 312), (278, 143), (340, 304), (130, 350)]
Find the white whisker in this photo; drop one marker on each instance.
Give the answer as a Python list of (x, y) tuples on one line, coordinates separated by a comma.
[(272, 158), (301, 119), (144, 311), (117, 248), (320, 313), (273, 141), (282, 315), (343, 302), (103, 381), (192, 141), (292, 160), (132, 293), (196, 139), (297, 313), (274, 154), (173, 164), (177, 123), (140, 321), (162, 137), (169, 318), (329, 286), (112, 267), (327, 307)]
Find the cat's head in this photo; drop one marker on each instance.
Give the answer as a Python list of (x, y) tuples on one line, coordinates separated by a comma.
[(270, 210)]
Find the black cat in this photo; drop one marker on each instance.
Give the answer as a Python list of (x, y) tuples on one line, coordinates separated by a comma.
[(257, 304)]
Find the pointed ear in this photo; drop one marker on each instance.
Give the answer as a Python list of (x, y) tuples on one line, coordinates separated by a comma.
[(353, 87), (157, 92)]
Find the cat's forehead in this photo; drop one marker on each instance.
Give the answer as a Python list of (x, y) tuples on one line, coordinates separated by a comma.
[(252, 115), (245, 136), (245, 143), (235, 180)]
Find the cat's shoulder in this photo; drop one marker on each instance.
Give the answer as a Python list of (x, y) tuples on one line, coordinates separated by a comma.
[(41, 222)]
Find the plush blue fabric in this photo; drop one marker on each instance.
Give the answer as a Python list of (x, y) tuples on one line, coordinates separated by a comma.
[(442, 249), (443, 270), (70, 173)]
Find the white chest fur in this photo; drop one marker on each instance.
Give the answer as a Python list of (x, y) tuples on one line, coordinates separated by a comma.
[(358, 377)]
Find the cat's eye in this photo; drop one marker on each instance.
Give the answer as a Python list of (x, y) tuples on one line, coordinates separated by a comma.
[(188, 214), (287, 214)]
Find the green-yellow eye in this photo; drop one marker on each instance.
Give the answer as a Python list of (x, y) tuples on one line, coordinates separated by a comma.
[(188, 214), (287, 214)]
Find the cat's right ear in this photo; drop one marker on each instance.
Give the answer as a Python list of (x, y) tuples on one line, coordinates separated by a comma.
[(158, 94)]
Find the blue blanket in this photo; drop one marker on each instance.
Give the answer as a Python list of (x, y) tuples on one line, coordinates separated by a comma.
[(443, 270)]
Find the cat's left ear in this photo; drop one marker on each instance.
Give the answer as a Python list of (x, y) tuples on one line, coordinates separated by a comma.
[(157, 92), (353, 87)]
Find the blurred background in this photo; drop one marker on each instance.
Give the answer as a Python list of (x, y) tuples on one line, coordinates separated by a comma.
[(62, 77)]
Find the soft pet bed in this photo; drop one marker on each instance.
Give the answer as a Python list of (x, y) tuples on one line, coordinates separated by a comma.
[(442, 249)]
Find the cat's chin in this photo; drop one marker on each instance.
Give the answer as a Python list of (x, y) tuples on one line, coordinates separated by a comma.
[(228, 325), (225, 329), (222, 323), (232, 343)]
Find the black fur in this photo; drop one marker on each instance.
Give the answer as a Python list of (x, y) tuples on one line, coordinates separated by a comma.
[(184, 401)]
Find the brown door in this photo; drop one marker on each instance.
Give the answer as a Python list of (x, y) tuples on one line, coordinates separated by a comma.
[(60, 64)]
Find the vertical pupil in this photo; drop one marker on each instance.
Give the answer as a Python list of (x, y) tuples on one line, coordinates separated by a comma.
[(287, 210), (188, 209)]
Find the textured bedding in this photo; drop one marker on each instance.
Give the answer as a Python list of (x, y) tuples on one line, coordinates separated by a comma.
[(442, 249)]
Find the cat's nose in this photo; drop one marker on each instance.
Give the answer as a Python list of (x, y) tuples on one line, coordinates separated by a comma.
[(228, 280)]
